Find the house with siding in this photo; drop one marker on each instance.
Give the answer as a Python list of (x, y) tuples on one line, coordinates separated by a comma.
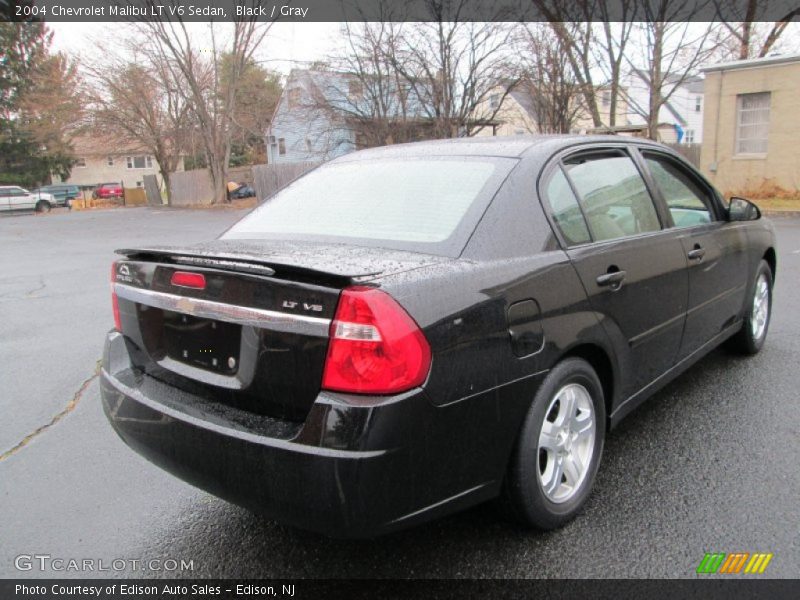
[(325, 114), (111, 160), (303, 128), (683, 110), (516, 111), (752, 125)]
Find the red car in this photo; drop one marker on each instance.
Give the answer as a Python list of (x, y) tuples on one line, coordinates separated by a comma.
[(107, 190)]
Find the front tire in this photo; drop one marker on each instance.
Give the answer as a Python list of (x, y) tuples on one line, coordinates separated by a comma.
[(43, 206), (558, 452), (750, 338)]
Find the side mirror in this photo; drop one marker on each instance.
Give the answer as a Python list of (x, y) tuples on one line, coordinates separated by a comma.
[(740, 209)]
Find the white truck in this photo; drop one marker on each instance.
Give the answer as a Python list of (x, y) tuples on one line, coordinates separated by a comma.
[(14, 198)]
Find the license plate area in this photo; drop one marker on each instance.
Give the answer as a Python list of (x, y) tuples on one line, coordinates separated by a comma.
[(203, 343)]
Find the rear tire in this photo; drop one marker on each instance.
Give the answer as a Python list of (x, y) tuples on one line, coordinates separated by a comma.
[(558, 451), (750, 338), (43, 206)]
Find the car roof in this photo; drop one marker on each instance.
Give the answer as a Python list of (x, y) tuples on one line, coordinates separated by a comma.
[(500, 146)]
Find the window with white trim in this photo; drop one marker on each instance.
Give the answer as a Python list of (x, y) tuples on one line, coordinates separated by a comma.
[(139, 162), (80, 162), (110, 161), (752, 123), (688, 136)]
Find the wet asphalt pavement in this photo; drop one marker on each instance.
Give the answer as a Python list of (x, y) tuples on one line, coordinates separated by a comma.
[(710, 464)]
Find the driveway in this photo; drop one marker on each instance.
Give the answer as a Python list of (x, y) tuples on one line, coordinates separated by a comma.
[(710, 464)]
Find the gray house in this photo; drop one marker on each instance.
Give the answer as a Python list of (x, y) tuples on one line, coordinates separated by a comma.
[(325, 114), (303, 127)]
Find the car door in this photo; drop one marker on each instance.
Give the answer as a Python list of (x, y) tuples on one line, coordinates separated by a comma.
[(5, 194), (20, 199), (633, 270), (716, 250)]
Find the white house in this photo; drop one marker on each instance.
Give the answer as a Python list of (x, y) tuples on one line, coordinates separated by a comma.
[(683, 110)]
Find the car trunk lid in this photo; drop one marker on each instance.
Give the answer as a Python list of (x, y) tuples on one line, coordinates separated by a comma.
[(255, 333)]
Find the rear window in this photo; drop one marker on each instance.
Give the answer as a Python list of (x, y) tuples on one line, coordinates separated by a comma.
[(429, 205)]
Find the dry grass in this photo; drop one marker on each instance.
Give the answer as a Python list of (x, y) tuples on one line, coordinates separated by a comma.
[(91, 203), (778, 204), (242, 204), (769, 196), (766, 190)]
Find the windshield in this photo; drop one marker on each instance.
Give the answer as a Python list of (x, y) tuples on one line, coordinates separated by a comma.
[(429, 205)]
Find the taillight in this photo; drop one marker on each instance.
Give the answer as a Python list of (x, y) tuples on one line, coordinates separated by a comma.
[(188, 280), (114, 299), (375, 346)]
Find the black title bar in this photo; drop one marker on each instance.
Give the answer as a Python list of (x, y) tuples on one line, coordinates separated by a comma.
[(394, 10), (308, 589)]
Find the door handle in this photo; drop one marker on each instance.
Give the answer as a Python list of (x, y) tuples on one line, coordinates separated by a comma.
[(612, 280), (697, 254)]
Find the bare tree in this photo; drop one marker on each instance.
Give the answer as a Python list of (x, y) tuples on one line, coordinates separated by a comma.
[(612, 46), (549, 82), (571, 21), (364, 91), (751, 38), (200, 67), (453, 68), (398, 82), (673, 48), (139, 99)]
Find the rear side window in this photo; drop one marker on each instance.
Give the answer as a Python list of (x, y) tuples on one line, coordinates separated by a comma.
[(613, 195), (430, 204), (688, 204), (565, 210)]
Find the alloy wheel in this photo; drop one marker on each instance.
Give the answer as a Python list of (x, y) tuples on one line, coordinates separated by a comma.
[(760, 312), (566, 442)]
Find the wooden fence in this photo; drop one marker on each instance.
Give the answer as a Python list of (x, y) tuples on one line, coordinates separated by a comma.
[(194, 187), (191, 187), (268, 179), (690, 152)]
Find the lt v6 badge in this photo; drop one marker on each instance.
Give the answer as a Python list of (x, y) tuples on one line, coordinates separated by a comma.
[(304, 305)]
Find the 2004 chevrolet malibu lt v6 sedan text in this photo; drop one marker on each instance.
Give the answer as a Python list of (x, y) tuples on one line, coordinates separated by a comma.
[(407, 331)]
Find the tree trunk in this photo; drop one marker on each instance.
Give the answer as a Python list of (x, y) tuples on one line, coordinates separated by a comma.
[(655, 82), (744, 45)]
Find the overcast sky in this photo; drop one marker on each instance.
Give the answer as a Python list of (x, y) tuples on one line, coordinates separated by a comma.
[(287, 45), (297, 44)]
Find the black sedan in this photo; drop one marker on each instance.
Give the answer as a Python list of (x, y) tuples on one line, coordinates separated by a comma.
[(407, 331)]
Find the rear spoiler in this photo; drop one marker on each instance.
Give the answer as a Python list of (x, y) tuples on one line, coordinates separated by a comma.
[(244, 263)]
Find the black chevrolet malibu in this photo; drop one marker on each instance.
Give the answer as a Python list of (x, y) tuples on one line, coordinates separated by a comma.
[(407, 331)]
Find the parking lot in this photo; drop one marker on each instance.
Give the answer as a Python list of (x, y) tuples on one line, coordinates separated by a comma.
[(710, 464)]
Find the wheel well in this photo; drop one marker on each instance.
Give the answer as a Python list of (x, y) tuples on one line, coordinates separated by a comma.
[(600, 362), (771, 259)]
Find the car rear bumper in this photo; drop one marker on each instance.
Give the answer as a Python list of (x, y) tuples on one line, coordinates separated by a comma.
[(356, 467)]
